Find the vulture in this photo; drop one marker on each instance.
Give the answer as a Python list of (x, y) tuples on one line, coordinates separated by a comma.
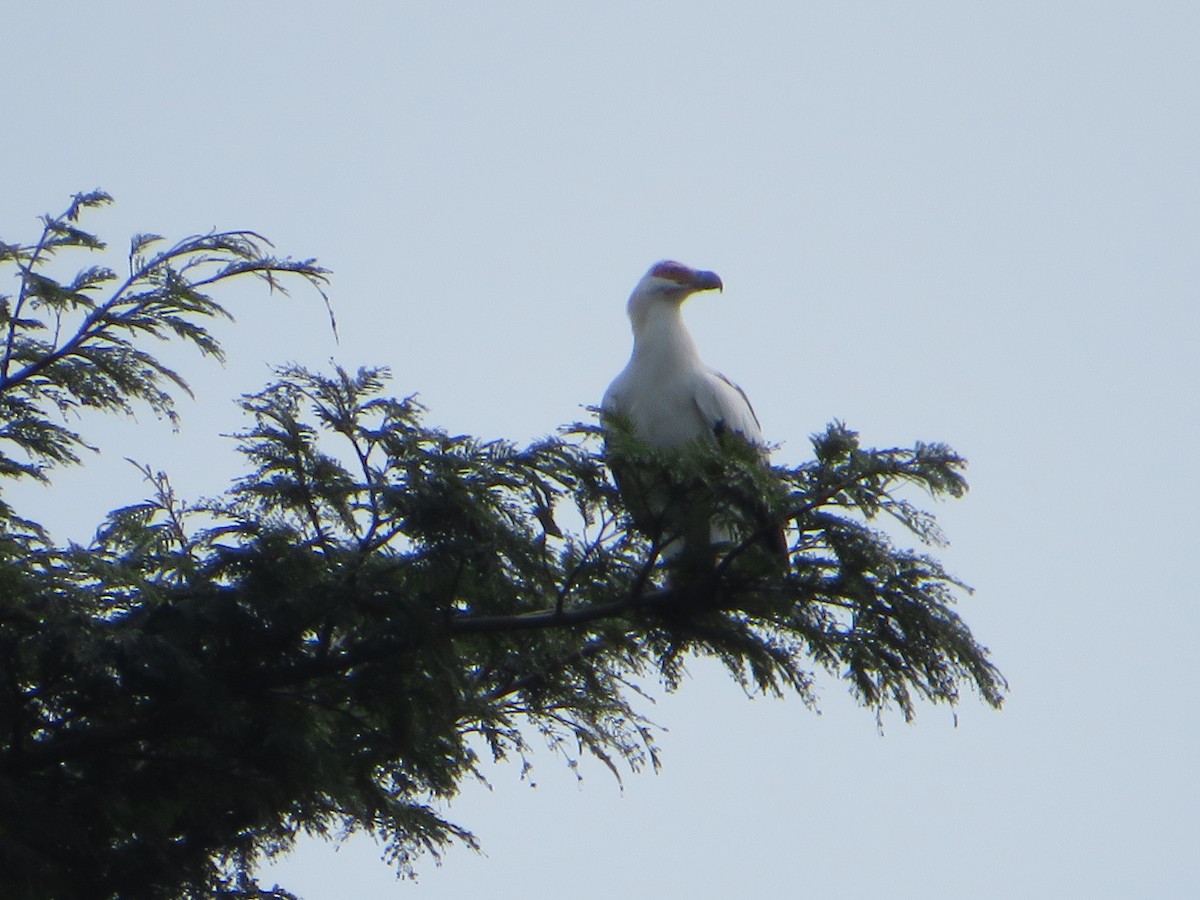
[(669, 398)]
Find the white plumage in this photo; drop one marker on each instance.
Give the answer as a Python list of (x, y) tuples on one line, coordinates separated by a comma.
[(666, 393)]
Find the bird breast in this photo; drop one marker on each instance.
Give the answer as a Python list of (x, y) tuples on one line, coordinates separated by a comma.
[(659, 404)]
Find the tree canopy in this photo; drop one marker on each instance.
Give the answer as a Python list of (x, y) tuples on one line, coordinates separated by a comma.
[(378, 609)]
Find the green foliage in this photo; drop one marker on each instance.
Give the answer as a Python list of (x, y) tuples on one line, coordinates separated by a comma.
[(67, 346), (878, 615), (378, 609)]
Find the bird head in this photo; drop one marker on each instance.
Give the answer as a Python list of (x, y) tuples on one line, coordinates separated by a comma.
[(664, 288), (675, 281)]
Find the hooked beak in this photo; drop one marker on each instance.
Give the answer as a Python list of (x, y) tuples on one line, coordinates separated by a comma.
[(706, 281)]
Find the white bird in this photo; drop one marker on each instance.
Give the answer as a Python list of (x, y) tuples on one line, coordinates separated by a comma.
[(666, 394)]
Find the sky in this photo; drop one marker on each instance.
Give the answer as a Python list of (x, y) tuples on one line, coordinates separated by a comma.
[(968, 222)]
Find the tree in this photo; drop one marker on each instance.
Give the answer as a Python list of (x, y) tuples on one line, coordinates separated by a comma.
[(377, 608)]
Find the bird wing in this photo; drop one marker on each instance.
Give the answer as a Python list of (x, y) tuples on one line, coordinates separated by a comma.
[(722, 405)]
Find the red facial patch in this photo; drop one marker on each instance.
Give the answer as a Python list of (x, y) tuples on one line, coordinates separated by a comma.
[(672, 270)]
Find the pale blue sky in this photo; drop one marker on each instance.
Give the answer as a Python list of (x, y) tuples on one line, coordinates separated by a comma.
[(970, 222)]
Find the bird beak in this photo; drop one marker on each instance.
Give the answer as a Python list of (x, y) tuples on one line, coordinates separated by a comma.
[(706, 281)]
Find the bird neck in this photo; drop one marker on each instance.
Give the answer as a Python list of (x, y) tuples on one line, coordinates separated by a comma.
[(660, 335)]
